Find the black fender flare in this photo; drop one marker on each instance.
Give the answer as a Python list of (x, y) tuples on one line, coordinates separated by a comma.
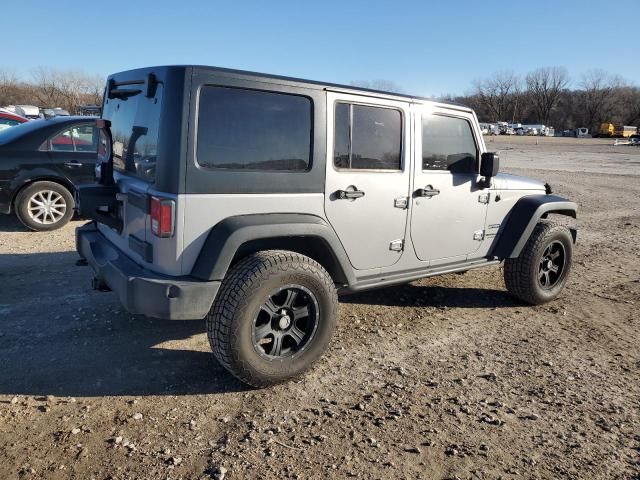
[(522, 219), (303, 233)]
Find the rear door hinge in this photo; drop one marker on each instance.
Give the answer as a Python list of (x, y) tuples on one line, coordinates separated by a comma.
[(484, 197), (478, 235), (396, 245)]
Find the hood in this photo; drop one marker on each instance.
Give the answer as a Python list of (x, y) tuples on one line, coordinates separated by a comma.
[(507, 181)]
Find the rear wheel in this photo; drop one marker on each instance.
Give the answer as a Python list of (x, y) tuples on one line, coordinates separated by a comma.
[(44, 206), (273, 317), (540, 272)]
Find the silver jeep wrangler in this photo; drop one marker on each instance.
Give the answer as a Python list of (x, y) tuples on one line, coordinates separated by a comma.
[(254, 200)]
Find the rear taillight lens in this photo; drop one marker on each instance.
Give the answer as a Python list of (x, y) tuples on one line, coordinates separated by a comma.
[(162, 215)]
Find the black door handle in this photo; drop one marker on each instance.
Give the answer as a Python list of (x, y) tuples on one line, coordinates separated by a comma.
[(72, 164), (349, 194), (427, 191)]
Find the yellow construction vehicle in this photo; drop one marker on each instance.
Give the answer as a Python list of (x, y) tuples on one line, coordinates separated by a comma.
[(616, 131), (606, 130)]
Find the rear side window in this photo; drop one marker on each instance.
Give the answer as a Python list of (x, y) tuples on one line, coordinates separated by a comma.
[(448, 144), (242, 129), (82, 138), (367, 138)]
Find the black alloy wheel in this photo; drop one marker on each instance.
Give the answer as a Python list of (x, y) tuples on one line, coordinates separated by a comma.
[(551, 265), (286, 323)]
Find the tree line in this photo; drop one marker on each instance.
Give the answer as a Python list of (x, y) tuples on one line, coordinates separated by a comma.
[(50, 88), (545, 96)]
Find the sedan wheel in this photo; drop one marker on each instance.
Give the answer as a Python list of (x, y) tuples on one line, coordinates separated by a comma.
[(47, 207), (44, 206)]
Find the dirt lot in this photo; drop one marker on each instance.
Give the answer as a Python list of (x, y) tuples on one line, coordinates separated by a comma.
[(443, 378)]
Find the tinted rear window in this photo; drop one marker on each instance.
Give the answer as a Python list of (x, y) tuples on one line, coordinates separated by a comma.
[(253, 130), (134, 128)]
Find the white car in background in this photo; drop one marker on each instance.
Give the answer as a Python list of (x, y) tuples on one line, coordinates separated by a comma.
[(28, 111)]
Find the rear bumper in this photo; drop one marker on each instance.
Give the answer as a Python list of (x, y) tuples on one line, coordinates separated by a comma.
[(142, 291)]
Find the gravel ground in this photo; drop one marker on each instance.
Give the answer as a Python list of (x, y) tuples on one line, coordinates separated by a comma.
[(442, 378)]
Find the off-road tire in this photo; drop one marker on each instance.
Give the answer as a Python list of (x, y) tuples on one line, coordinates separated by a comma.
[(521, 274), (244, 289), (22, 205)]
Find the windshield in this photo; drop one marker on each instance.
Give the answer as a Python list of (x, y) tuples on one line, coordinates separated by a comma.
[(134, 130)]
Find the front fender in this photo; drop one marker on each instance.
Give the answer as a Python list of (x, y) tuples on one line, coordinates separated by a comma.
[(522, 219)]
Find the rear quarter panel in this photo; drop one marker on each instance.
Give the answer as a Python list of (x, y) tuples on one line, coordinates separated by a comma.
[(201, 212)]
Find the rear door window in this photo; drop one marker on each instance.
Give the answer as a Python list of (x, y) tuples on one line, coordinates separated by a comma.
[(62, 142), (367, 137), (240, 129), (86, 138), (81, 138)]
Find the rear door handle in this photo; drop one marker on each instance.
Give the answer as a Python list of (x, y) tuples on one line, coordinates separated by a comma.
[(349, 194), (72, 164), (427, 191)]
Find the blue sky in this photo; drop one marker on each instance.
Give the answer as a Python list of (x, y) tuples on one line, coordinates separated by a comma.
[(426, 48)]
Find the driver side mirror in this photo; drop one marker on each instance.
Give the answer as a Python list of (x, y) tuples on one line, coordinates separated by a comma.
[(489, 165)]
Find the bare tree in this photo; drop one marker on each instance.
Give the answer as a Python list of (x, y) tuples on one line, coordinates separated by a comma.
[(597, 92), (544, 87), (67, 89), (9, 87), (499, 94), (627, 109)]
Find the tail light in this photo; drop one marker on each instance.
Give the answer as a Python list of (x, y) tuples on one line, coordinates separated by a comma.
[(162, 217)]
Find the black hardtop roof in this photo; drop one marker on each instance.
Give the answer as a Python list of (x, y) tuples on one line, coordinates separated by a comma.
[(290, 80)]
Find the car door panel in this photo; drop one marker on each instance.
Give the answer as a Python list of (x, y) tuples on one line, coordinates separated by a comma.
[(78, 167), (74, 152), (360, 203), (449, 202)]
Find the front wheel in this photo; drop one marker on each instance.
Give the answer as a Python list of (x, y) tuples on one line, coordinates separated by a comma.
[(540, 272), (273, 317)]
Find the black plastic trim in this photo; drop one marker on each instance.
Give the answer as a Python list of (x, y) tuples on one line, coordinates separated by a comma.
[(526, 213), (235, 237), (142, 248), (384, 280), (142, 291), (139, 200)]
